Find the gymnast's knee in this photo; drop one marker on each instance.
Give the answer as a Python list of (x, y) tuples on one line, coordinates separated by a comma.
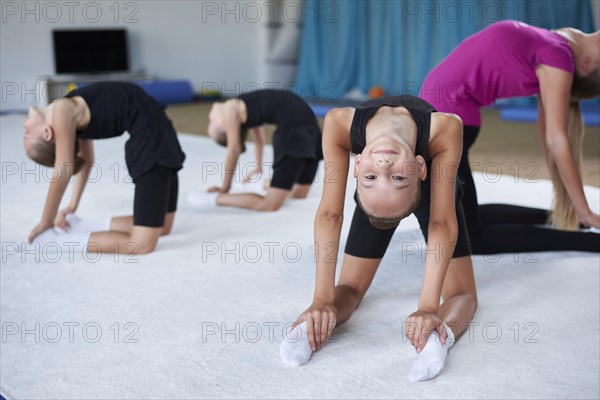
[(145, 246), (142, 242)]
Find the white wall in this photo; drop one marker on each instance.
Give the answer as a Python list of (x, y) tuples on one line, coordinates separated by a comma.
[(196, 40)]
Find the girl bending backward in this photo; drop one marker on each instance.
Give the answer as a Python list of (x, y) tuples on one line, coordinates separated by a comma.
[(61, 136), (407, 156)]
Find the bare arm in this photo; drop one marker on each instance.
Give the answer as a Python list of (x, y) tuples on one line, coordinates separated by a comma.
[(329, 217), (321, 315), (541, 128), (445, 150), (86, 151), (231, 122), (64, 133), (258, 137), (555, 85), (443, 227)]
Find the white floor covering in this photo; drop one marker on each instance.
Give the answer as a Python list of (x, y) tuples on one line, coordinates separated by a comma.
[(202, 317)]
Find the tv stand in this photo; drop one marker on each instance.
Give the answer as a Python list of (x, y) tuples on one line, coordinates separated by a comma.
[(57, 86)]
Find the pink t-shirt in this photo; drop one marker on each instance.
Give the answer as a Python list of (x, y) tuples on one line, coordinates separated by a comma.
[(497, 62)]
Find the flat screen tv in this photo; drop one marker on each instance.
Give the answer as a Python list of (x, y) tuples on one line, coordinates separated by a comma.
[(90, 51)]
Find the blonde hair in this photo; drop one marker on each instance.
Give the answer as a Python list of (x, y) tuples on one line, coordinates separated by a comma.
[(44, 153), (563, 214)]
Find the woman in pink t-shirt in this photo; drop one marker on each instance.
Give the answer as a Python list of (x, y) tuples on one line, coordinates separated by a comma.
[(513, 59)]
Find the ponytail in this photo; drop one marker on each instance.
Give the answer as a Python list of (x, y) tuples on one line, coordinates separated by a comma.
[(563, 214)]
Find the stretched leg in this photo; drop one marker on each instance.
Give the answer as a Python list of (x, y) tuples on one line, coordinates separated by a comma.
[(495, 214), (459, 295), (355, 278), (365, 248), (519, 238), (458, 292), (460, 303), (516, 229), (494, 228), (469, 193)]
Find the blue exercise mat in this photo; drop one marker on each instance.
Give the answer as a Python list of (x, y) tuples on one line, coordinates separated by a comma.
[(590, 110)]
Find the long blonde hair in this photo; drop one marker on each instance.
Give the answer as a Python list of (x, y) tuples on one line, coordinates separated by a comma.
[(563, 214)]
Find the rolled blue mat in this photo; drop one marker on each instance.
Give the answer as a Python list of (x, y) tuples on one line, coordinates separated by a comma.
[(321, 109), (169, 92), (590, 111)]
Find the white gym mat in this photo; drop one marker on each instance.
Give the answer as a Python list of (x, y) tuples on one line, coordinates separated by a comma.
[(202, 317)]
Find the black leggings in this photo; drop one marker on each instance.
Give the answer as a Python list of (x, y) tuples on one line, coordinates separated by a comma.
[(504, 228)]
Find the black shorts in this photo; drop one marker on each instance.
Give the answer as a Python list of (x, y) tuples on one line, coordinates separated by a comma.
[(366, 241), (290, 170), (155, 196)]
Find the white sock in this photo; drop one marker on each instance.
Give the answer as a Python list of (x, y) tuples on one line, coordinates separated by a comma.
[(52, 241), (203, 199), (79, 225), (430, 360), (594, 230), (295, 349)]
